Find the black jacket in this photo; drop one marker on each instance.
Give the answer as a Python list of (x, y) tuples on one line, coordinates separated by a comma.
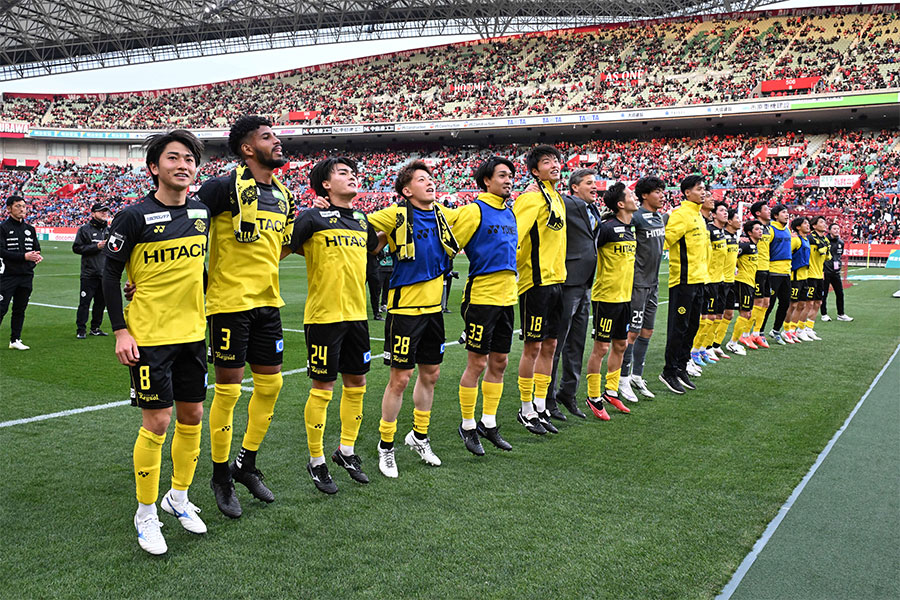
[(837, 254), (85, 244), (581, 241), (17, 238)]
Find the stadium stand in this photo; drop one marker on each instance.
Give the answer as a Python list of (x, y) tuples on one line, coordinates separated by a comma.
[(676, 62)]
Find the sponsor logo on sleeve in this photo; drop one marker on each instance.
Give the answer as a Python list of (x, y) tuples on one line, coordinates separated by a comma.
[(115, 242)]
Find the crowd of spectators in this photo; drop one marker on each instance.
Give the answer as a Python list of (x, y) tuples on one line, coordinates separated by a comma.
[(739, 168), (678, 62)]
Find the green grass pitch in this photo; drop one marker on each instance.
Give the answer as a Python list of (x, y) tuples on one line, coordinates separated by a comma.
[(662, 503)]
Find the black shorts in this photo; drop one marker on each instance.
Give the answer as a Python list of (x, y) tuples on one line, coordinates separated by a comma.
[(762, 285), (798, 290), (541, 309), (488, 328), (413, 339), (730, 295), (251, 336), (745, 296), (168, 373), (815, 289), (777, 283), (611, 320), (333, 348), (714, 298)]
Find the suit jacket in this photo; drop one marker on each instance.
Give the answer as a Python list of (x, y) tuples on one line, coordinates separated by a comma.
[(581, 241)]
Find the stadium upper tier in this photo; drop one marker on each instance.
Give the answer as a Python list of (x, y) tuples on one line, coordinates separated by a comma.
[(638, 65), (854, 176)]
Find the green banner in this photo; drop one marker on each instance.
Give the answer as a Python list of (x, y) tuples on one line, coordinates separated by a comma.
[(888, 98)]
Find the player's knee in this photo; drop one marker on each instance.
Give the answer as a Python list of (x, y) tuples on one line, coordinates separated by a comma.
[(399, 380), (477, 362), (498, 362), (548, 347), (156, 420), (189, 413)]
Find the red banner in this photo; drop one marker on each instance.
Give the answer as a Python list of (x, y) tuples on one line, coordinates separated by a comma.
[(12, 163), (303, 115), (629, 77), (780, 85), (876, 250)]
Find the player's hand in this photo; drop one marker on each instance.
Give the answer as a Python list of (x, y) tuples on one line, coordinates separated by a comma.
[(126, 348), (129, 290), (34, 256), (533, 187), (100, 244), (320, 203)]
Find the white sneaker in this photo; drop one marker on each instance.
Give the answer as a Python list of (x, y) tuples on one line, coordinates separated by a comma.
[(186, 513), (149, 535), (638, 383), (826, 318), (18, 345), (422, 448), (736, 348), (625, 389), (386, 463), (840, 318), (811, 333), (804, 335), (720, 353), (693, 370)]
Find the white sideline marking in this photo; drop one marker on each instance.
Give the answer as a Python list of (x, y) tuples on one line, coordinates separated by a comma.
[(748, 561), (76, 411), (53, 306)]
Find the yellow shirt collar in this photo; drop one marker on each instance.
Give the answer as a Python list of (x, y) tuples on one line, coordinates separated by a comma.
[(492, 200)]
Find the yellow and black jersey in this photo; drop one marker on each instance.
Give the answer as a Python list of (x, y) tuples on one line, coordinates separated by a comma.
[(732, 247), (688, 243), (747, 263), (616, 246), (820, 251), (486, 229), (416, 285), (763, 247), (243, 276), (541, 251), (163, 249), (719, 253), (336, 242)]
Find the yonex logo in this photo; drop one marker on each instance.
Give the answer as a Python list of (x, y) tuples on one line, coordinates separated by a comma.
[(226, 428), (143, 473), (318, 426)]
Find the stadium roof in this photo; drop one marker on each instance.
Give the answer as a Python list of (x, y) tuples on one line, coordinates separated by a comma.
[(43, 37)]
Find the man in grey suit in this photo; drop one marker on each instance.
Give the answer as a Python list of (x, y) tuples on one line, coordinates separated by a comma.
[(582, 223)]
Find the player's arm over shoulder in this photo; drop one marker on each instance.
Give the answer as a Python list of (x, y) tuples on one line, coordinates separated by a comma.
[(466, 220), (384, 220), (214, 194)]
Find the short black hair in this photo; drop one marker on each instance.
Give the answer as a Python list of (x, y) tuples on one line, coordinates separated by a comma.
[(156, 143), (648, 185), (486, 170), (749, 225), (405, 175), (242, 127), (689, 182), (718, 204), (613, 195), (322, 171), (796, 223), (777, 209), (731, 213), (537, 153), (13, 199), (816, 219), (578, 176), (757, 206)]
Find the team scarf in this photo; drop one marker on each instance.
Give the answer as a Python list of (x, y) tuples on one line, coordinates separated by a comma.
[(244, 202), (405, 239), (555, 221)]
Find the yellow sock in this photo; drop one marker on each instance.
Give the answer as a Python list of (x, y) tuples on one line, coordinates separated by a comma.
[(710, 336), (721, 330), (756, 318), (421, 419), (594, 385), (742, 325), (788, 326), (612, 380), (387, 431), (701, 333), (526, 385), (185, 451), (261, 408), (351, 413), (147, 457), (314, 415), (492, 392), (468, 397), (221, 414), (810, 324), (541, 385)]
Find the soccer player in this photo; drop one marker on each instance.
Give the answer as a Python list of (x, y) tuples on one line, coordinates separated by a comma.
[(541, 264), (161, 241), (716, 214), (611, 299), (833, 274), (89, 243), (20, 250), (745, 287), (419, 234), (779, 272), (649, 230), (732, 242), (687, 241), (486, 228), (795, 320), (820, 253), (336, 242), (252, 219), (761, 212)]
